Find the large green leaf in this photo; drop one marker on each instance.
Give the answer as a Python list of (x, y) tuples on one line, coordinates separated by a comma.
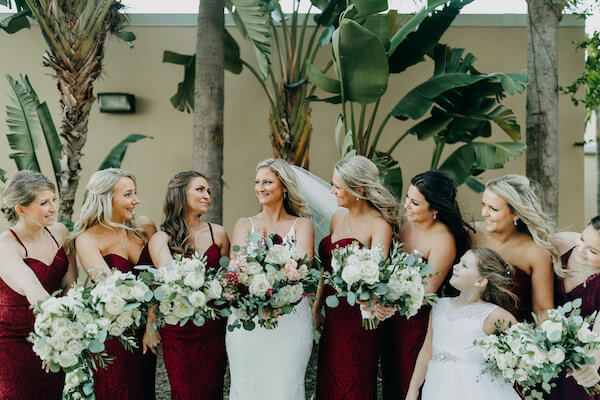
[(321, 80), (233, 61), (2, 175), (431, 126), (369, 7), (474, 157), (330, 11), (361, 62), (116, 155), (418, 43), (183, 99), (23, 127), (15, 22)]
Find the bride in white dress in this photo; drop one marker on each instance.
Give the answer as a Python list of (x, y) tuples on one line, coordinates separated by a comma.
[(270, 364), (448, 362)]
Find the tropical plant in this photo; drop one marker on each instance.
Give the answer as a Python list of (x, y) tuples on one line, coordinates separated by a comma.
[(283, 45), (28, 120), (75, 32), (462, 102)]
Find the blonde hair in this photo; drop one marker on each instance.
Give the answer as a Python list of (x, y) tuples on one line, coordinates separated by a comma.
[(499, 275), (292, 201), (97, 207), (360, 172), (21, 189), (521, 195)]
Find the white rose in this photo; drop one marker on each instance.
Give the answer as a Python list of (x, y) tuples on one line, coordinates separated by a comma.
[(171, 275), (508, 373), (351, 273), (214, 289), (520, 375), (295, 253), (585, 335), (77, 331), (369, 272), (124, 320), (115, 330), (74, 347), (165, 307), (240, 313), (114, 305), (197, 299), (72, 379), (51, 305), (42, 323), (556, 355), (124, 291), (296, 293), (91, 329), (189, 264), (335, 264), (42, 349), (103, 323), (278, 255), (194, 280), (66, 359), (253, 268), (181, 310), (552, 329), (171, 319), (85, 318), (139, 290), (59, 324), (259, 286)]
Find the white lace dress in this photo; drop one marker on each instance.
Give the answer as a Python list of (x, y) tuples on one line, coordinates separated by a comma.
[(270, 364), (454, 372)]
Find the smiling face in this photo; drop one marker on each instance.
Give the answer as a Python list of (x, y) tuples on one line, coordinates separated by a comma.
[(124, 200), (344, 197), (465, 274), (416, 206), (587, 249), (496, 212), (42, 209), (198, 195), (268, 187)]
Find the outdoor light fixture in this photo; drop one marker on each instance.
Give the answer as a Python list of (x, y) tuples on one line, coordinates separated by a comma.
[(121, 103)]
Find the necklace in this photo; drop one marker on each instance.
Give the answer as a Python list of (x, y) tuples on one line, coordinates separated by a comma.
[(122, 242)]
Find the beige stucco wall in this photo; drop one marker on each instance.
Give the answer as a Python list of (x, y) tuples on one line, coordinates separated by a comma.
[(140, 71)]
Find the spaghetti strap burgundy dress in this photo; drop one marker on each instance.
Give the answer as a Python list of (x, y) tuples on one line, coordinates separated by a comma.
[(131, 375), (195, 356), (21, 373)]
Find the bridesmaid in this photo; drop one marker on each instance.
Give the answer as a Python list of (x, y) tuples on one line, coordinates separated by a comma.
[(194, 356), (349, 354), (108, 235), (433, 225), (580, 278), (33, 264), (516, 227)]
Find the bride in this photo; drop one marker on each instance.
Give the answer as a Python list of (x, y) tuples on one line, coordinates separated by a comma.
[(270, 364)]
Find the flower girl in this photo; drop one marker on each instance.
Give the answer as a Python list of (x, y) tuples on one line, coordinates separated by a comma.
[(448, 362)]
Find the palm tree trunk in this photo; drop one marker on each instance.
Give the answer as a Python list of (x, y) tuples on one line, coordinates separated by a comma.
[(208, 101), (542, 98)]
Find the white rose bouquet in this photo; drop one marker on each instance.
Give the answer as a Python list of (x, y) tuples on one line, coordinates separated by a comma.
[(186, 291), (266, 279), (362, 273)]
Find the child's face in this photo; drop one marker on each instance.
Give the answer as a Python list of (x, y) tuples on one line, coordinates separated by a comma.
[(465, 273), (587, 250)]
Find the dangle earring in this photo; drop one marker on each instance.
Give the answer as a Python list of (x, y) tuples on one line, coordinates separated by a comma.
[(435, 216), (515, 221), (357, 198)]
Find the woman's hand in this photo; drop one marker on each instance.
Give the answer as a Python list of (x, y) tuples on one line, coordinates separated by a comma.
[(151, 339), (587, 376), (380, 312), (318, 318)]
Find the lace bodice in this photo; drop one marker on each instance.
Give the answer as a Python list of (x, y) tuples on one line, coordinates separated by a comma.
[(289, 238), (455, 327)]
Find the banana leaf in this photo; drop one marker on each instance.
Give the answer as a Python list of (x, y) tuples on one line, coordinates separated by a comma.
[(2, 175), (116, 155), (15, 22)]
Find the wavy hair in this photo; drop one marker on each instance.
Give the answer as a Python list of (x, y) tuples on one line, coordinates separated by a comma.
[(21, 189), (522, 196), (438, 189), (293, 203), (359, 172), (97, 207), (174, 208)]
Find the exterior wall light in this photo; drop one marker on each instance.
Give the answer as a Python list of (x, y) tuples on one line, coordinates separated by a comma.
[(119, 103)]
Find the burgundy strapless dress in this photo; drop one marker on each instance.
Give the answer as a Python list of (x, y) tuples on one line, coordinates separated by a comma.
[(589, 293), (348, 354), (21, 373), (131, 375), (194, 356), (522, 288)]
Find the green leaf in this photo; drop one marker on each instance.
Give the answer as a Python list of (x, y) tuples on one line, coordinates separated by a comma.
[(254, 20), (96, 347), (332, 301), (116, 155), (361, 62), (2, 175), (325, 36), (183, 99), (331, 100), (392, 179), (368, 7), (430, 126), (23, 127), (321, 80), (88, 388), (351, 298), (476, 156), (15, 22), (233, 61), (248, 324), (330, 11), (475, 185), (126, 36)]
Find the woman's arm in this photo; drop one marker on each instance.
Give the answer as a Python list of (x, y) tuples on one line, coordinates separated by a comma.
[(420, 371), (564, 241), (498, 321), (18, 276), (588, 375), (62, 233), (382, 234), (305, 237), (222, 240), (240, 233), (441, 256), (90, 256), (542, 282), (158, 245)]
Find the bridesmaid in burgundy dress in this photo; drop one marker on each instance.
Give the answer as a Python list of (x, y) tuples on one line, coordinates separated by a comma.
[(194, 356), (516, 227), (580, 279), (33, 265), (433, 225), (108, 235), (349, 354)]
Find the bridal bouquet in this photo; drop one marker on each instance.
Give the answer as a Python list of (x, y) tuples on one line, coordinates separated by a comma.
[(362, 273), (531, 357), (266, 279), (186, 291)]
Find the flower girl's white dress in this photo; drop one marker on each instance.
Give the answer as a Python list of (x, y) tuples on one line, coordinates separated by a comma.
[(270, 364), (454, 371)]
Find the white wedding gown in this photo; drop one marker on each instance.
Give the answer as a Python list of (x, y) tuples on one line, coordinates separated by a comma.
[(269, 364), (454, 372)]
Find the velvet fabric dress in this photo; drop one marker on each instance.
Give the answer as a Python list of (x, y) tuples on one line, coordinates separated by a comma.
[(195, 356), (21, 373), (131, 375), (348, 353), (521, 286), (589, 293)]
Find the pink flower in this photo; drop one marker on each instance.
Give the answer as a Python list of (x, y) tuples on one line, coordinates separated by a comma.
[(291, 270)]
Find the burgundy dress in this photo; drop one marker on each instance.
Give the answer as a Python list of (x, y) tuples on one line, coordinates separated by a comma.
[(131, 375), (21, 373), (195, 356), (522, 288), (589, 293), (348, 353)]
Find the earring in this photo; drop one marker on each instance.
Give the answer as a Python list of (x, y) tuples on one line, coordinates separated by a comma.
[(515, 221), (357, 198), (285, 195), (435, 216)]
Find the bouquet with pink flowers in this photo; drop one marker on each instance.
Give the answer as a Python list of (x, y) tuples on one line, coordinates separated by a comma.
[(264, 280)]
